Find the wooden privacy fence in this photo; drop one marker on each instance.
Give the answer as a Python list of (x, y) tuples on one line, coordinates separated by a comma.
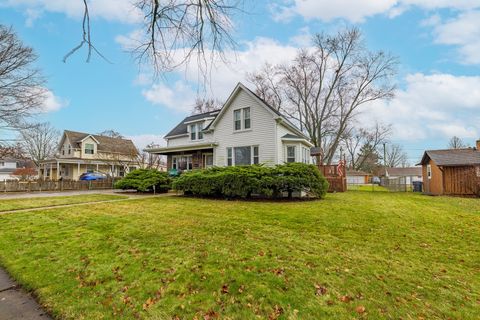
[(335, 175), (49, 185)]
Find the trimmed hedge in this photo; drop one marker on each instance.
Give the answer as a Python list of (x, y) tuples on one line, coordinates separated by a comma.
[(144, 179), (255, 180)]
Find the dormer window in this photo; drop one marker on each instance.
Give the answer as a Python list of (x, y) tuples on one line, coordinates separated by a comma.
[(196, 131), (89, 148), (241, 119), (193, 132)]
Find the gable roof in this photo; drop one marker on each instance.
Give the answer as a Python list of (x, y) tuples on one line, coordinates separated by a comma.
[(275, 112), (452, 157), (105, 144), (402, 172), (182, 127)]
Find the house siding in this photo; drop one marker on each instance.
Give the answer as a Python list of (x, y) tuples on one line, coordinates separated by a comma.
[(434, 185), (261, 134)]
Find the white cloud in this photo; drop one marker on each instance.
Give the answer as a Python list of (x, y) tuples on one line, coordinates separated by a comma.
[(181, 95), (431, 106), (141, 141), (462, 31), (358, 10), (111, 10), (52, 102)]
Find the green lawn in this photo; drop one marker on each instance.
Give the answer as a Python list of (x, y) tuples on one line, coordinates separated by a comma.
[(27, 203), (353, 255)]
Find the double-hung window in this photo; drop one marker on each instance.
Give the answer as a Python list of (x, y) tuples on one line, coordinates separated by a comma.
[(193, 132), (256, 157), (243, 156), (229, 157), (237, 119), (242, 119), (89, 148), (246, 118), (429, 171), (196, 131), (290, 153)]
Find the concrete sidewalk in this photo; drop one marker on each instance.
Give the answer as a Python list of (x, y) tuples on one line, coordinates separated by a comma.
[(46, 194), (15, 303)]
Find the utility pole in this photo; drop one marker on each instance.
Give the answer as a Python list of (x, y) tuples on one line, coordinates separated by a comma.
[(384, 155)]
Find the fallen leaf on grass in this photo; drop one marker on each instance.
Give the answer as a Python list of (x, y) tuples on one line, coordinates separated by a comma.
[(225, 288), (345, 299), (241, 289), (360, 309), (320, 290), (277, 312)]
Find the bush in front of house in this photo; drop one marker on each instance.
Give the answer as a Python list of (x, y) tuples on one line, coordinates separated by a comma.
[(248, 181), (144, 180)]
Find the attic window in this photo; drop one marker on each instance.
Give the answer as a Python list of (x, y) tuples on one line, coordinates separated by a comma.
[(241, 119), (89, 148), (196, 131)]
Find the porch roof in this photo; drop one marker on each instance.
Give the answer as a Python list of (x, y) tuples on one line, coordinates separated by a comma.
[(191, 147), (81, 161)]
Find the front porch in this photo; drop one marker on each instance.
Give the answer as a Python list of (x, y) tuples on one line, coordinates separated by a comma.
[(62, 169), (188, 157)]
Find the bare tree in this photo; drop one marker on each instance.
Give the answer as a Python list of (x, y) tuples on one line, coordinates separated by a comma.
[(206, 105), (21, 85), (111, 134), (395, 156), (146, 160), (175, 31), (456, 143), (40, 141), (323, 89), (355, 141)]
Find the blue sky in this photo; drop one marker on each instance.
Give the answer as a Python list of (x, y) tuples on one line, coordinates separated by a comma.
[(437, 42)]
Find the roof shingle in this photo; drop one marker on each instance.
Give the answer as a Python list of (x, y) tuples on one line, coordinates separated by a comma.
[(106, 144), (453, 157)]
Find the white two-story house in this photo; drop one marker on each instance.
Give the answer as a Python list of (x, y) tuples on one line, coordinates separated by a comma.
[(245, 131)]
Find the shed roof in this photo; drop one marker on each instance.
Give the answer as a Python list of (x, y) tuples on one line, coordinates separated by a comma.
[(452, 157), (105, 144)]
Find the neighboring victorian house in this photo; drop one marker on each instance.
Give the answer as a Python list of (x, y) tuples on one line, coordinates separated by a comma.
[(245, 131), (83, 152), (451, 172)]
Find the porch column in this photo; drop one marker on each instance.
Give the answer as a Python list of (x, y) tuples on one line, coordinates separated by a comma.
[(58, 170), (113, 170), (78, 170), (51, 172), (97, 167)]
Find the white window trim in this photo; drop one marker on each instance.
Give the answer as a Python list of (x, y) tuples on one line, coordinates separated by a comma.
[(251, 154), (286, 152), (188, 156), (198, 127), (429, 171), (242, 120)]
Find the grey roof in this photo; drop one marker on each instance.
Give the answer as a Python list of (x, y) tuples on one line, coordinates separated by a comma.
[(402, 172), (357, 173), (106, 144), (453, 157), (292, 136), (7, 170), (182, 127)]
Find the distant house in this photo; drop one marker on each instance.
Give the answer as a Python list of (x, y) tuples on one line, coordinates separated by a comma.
[(357, 177), (7, 167), (406, 175), (80, 152), (451, 172), (246, 131)]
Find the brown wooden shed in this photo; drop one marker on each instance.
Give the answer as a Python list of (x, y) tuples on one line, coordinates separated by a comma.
[(451, 172)]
